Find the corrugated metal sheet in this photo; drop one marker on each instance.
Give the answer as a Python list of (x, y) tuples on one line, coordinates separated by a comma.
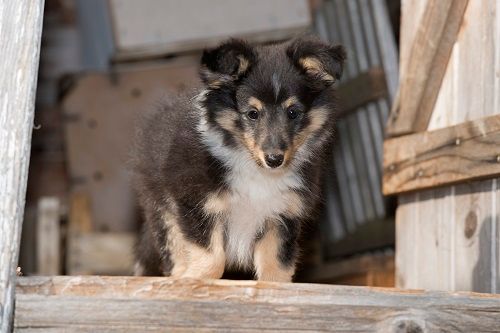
[(354, 194)]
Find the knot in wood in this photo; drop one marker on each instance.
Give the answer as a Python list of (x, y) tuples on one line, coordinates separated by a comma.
[(407, 326), (470, 224)]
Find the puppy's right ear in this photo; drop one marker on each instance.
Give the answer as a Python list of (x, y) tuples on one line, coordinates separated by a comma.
[(227, 63)]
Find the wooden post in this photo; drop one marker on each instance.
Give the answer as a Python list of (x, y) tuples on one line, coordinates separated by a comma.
[(447, 238), (20, 26), (48, 242)]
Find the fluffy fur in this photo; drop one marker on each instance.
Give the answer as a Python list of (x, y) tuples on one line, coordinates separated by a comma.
[(229, 175)]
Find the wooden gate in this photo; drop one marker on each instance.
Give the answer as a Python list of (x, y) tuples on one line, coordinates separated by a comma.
[(447, 234)]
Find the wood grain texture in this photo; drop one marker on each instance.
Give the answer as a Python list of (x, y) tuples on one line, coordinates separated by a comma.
[(445, 156), (20, 35), (426, 67), (101, 114), (132, 304), (101, 253), (374, 270), (448, 238), (92, 252), (178, 26), (49, 236), (369, 86)]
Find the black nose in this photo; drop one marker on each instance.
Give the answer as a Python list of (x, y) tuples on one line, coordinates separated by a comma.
[(274, 160)]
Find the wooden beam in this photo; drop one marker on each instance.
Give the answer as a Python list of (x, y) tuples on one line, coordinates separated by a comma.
[(376, 270), (92, 252), (21, 27), (430, 52), (446, 156), (108, 253), (136, 304), (367, 87), (48, 240), (169, 28)]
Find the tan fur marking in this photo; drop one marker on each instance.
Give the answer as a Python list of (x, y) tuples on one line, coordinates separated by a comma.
[(244, 64), (226, 120), (191, 260), (217, 203), (267, 265), (256, 103), (315, 67), (249, 141), (215, 84), (261, 157), (296, 206), (317, 117), (289, 102), (207, 264), (176, 246), (256, 153)]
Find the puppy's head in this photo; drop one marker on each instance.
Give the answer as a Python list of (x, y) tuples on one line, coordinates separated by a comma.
[(275, 101)]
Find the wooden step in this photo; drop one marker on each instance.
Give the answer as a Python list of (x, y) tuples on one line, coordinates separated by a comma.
[(139, 304)]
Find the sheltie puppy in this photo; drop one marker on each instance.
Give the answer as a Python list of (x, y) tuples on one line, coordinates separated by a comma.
[(228, 176)]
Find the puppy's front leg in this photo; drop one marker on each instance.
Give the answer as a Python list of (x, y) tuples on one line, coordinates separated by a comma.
[(199, 262), (275, 253)]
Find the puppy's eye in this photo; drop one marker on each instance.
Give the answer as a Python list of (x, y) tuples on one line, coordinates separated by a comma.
[(253, 114), (292, 112)]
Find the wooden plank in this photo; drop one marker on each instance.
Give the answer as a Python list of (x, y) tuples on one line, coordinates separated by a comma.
[(455, 154), (80, 220), (431, 258), (49, 236), (367, 237), (474, 238), (102, 253), (407, 219), (469, 91), (133, 304), (91, 252), (174, 26), (426, 66), (21, 27), (375, 270), (101, 112), (366, 87)]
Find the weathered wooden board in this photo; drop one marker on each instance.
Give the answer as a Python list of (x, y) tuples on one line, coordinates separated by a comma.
[(108, 253), (91, 252), (175, 26), (101, 112), (48, 240), (20, 36), (421, 79), (448, 238), (132, 304), (445, 156), (367, 87), (374, 270)]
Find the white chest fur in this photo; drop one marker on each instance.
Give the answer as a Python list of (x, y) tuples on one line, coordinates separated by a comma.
[(257, 196)]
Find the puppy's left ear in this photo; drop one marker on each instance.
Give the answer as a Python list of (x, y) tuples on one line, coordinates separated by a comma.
[(227, 63), (320, 62)]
